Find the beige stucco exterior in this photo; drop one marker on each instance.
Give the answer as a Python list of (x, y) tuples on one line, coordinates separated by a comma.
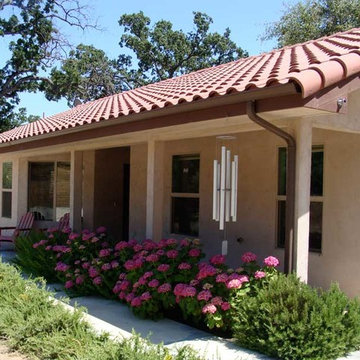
[(150, 156)]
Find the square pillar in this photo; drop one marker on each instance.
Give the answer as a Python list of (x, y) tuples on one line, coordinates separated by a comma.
[(76, 181), (154, 189), (88, 188), (303, 136)]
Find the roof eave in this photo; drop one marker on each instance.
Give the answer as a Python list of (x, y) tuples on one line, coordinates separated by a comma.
[(274, 91)]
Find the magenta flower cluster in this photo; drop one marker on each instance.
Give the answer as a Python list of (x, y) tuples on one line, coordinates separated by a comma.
[(152, 277)]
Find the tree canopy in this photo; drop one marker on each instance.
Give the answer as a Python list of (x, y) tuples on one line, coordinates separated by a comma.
[(39, 57), (34, 42), (160, 53), (163, 52), (312, 19)]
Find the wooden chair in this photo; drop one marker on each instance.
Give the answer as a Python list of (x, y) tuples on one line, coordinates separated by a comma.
[(24, 226), (64, 222)]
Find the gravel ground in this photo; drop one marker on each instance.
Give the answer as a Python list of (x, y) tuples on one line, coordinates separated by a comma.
[(7, 354)]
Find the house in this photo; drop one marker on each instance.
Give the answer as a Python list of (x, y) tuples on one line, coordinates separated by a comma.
[(141, 162)]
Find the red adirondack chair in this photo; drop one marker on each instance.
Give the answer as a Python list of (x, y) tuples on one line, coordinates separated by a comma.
[(64, 222), (23, 227)]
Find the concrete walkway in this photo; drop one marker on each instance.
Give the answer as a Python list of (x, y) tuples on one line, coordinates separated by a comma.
[(117, 320)]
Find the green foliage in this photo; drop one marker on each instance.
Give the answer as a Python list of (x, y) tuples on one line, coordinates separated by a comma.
[(30, 28), (163, 53), (34, 325), (290, 320), (86, 74), (38, 261), (312, 19)]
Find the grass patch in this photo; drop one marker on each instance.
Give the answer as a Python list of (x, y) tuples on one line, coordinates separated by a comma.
[(35, 326)]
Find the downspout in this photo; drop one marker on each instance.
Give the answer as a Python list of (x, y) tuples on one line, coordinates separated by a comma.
[(290, 183)]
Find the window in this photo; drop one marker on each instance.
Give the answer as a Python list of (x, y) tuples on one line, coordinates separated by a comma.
[(185, 195), (6, 193), (316, 198), (49, 189)]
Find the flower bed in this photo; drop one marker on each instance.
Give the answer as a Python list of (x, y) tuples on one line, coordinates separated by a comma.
[(252, 303), (152, 278)]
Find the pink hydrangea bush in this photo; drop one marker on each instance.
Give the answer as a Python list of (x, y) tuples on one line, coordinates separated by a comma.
[(152, 273), (94, 262), (215, 286), (155, 278)]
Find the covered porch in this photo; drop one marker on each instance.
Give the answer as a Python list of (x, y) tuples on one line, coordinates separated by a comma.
[(123, 177)]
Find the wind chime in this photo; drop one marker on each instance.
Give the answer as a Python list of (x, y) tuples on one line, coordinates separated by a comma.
[(225, 192)]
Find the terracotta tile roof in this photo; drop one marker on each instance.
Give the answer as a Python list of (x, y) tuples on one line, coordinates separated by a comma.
[(313, 65)]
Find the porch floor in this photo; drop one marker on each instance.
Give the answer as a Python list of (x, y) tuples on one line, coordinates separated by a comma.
[(117, 320)]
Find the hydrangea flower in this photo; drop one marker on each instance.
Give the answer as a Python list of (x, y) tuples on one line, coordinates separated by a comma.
[(164, 288), (121, 245), (163, 267), (97, 280), (209, 309), (248, 257), (217, 259), (153, 283), (234, 284), (205, 271), (145, 296), (93, 272), (172, 254), (69, 284), (105, 252), (194, 252), (152, 258), (259, 274), (204, 295), (136, 302), (217, 300), (222, 278), (79, 280), (60, 266), (189, 291), (184, 266), (225, 306), (271, 261)]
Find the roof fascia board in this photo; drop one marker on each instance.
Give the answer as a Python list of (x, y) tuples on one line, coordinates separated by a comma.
[(200, 104)]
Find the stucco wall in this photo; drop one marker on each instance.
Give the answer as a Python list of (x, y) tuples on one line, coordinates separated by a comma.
[(257, 189), (339, 260)]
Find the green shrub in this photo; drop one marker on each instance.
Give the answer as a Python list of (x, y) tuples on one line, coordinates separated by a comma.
[(35, 259), (290, 320), (34, 325)]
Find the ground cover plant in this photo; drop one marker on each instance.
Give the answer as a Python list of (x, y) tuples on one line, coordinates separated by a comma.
[(261, 308), (34, 325)]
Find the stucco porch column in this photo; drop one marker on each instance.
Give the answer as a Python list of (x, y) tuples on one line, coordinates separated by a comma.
[(303, 135), (76, 180), (154, 189)]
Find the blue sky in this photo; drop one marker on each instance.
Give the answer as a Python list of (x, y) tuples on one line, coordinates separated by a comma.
[(246, 20)]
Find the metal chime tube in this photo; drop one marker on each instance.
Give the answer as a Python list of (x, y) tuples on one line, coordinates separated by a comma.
[(234, 188), (215, 191), (227, 186), (222, 188)]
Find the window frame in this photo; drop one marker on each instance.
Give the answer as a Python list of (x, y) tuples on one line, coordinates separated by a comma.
[(55, 169), (174, 195), (313, 199), (7, 190)]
